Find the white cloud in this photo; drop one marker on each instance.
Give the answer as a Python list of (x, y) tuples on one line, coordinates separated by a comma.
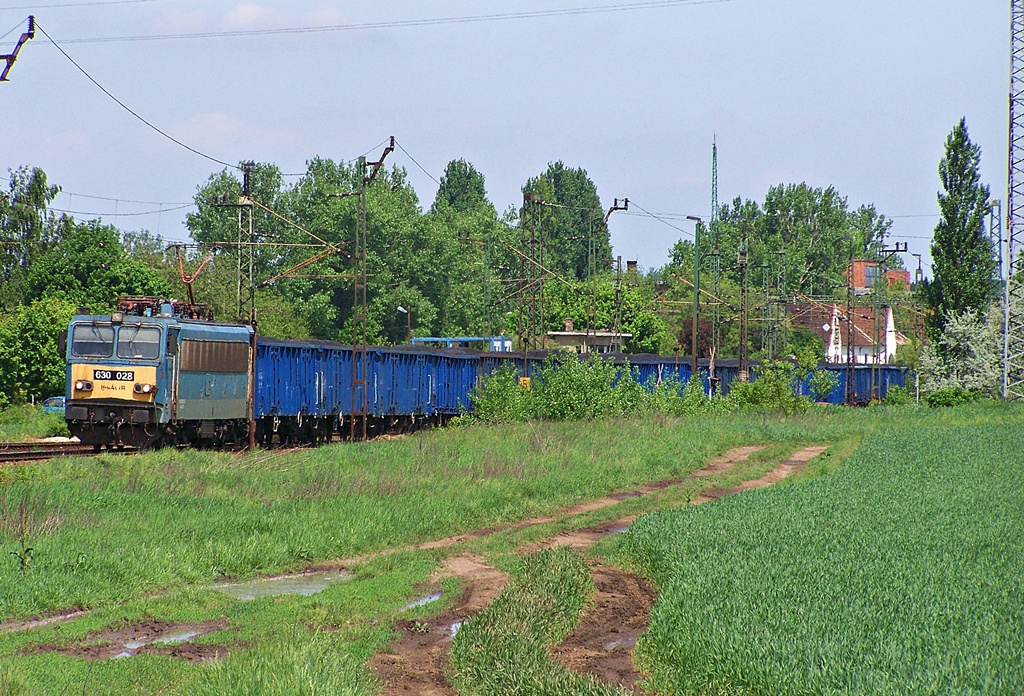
[(245, 16)]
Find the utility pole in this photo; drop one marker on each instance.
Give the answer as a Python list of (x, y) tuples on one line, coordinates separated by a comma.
[(773, 312), (11, 57), (1013, 298), (531, 275), (716, 256), (617, 326), (851, 329), (245, 245), (743, 261), (366, 172), (592, 266), (995, 233), (246, 249), (696, 292), (882, 306)]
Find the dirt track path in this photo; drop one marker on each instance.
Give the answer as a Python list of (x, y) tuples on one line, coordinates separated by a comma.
[(718, 465), (602, 645)]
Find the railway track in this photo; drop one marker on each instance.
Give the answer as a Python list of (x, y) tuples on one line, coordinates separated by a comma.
[(14, 452)]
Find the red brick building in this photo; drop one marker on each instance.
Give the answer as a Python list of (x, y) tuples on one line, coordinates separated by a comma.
[(865, 275)]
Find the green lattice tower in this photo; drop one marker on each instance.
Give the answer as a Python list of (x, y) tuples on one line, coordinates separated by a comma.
[(1013, 317), (715, 257)]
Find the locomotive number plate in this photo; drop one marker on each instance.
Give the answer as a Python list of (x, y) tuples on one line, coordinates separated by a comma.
[(114, 375)]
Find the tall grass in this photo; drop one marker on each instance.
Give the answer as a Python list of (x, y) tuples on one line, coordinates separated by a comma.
[(111, 528), (26, 422), (503, 651), (899, 574)]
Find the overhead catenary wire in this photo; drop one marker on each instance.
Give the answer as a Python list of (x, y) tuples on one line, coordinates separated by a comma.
[(130, 110), (659, 218), (352, 160), (92, 3), (13, 29), (120, 200), (399, 145), (401, 24), (148, 212)]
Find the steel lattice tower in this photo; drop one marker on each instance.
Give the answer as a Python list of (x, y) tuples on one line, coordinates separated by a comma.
[(1013, 343), (530, 291), (716, 256)]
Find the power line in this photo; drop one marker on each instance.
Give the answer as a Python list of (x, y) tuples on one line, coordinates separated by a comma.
[(119, 200), (129, 110), (417, 163), (401, 24), (383, 142), (660, 219), (12, 30), (78, 4), (148, 212)]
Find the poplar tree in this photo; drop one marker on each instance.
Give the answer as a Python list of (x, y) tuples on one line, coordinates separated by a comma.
[(962, 255)]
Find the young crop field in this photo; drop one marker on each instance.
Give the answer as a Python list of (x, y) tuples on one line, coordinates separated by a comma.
[(139, 546), (898, 574)]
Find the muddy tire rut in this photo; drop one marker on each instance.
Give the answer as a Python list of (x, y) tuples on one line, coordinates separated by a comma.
[(603, 643)]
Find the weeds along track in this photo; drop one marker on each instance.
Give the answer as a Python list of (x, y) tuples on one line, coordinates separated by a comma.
[(23, 452), (12, 453)]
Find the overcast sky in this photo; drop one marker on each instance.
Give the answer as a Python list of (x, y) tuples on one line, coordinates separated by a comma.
[(858, 95)]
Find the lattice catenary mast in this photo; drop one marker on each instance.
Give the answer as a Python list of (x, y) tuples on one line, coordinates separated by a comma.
[(1013, 327), (716, 255)]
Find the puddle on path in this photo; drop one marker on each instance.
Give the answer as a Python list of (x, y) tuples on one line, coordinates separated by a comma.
[(455, 628), (304, 585), (432, 597), (180, 637), (627, 642), (620, 529), (152, 637)]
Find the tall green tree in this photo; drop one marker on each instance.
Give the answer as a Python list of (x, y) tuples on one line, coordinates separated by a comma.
[(962, 255), (808, 228), (89, 266), (575, 214), (462, 188), (31, 364), (27, 230)]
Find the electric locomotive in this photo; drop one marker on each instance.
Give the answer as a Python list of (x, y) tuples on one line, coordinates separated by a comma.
[(157, 372)]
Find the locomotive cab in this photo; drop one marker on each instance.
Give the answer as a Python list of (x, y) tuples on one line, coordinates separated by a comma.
[(157, 372), (117, 379)]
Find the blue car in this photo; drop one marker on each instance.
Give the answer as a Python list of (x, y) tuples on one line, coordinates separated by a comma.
[(55, 405)]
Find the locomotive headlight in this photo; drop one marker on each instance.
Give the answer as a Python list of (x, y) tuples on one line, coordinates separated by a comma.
[(144, 388), (83, 385)]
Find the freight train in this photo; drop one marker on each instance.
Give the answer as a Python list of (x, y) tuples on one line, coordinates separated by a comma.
[(159, 372)]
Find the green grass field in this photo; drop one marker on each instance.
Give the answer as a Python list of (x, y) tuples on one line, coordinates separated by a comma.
[(138, 538), (902, 573)]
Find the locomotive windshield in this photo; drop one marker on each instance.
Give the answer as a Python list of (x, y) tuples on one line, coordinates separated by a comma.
[(138, 342), (92, 341)]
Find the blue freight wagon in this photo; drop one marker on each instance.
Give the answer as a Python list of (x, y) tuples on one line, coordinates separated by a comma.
[(157, 374)]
